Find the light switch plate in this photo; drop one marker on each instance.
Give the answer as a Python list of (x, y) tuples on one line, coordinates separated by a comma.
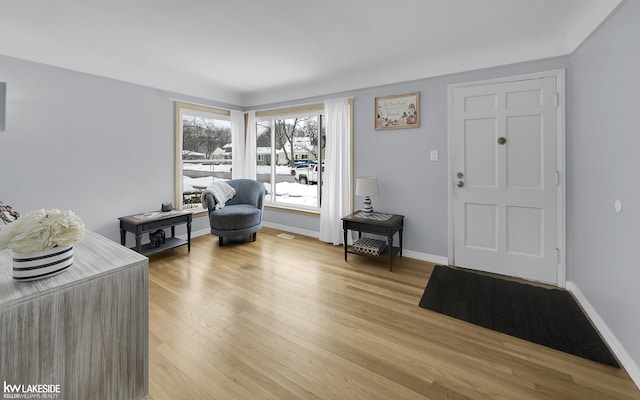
[(434, 155)]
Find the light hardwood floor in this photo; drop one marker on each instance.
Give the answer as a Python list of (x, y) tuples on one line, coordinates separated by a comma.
[(290, 319)]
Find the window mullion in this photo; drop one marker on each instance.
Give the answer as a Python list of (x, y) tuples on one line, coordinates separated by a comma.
[(274, 161)]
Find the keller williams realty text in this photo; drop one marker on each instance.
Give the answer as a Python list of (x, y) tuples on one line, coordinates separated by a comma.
[(30, 391)]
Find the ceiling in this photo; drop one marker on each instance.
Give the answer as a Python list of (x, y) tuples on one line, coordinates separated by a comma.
[(250, 52)]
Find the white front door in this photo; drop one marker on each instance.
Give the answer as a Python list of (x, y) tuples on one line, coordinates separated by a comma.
[(504, 170)]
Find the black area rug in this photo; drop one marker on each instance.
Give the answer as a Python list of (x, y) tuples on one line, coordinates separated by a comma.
[(550, 317)]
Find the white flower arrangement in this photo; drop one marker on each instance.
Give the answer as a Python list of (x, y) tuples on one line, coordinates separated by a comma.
[(42, 229)]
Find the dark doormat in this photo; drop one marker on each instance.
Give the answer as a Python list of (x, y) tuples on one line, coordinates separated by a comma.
[(550, 317)]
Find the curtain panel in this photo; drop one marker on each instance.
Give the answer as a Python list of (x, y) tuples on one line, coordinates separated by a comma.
[(237, 140), (336, 187), (250, 147)]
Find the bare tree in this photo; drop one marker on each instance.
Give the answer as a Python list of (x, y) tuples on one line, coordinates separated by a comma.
[(203, 135), (310, 128), (214, 137), (285, 130), (264, 138)]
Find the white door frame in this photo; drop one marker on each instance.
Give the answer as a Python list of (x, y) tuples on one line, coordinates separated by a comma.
[(559, 74)]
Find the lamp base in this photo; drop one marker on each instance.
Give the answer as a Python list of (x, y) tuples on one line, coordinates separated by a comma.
[(367, 208)]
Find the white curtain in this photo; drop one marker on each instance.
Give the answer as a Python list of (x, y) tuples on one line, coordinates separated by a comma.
[(250, 147), (237, 140), (336, 185)]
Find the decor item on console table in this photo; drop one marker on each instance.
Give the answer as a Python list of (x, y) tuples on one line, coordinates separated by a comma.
[(7, 214), (85, 331), (42, 242)]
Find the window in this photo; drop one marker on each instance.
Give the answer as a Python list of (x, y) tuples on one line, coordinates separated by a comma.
[(290, 153), (203, 151)]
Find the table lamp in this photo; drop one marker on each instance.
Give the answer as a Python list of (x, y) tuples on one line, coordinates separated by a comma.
[(367, 186)]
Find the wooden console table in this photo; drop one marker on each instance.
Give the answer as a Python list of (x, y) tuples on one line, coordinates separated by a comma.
[(85, 330), (379, 224), (147, 222)]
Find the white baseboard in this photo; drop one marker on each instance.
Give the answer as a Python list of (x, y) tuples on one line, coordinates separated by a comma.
[(425, 257), (200, 232), (195, 234), (614, 344), (292, 229), (405, 253), (417, 255)]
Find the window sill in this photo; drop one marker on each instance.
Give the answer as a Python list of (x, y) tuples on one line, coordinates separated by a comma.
[(312, 213), (197, 212)]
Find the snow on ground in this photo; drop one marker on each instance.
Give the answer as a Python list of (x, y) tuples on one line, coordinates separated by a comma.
[(207, 167), (261, 169), (295, 189), (190, 184), (297, 193), (286, 192)]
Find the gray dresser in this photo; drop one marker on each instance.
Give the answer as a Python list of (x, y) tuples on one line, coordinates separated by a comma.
[(85, 330)]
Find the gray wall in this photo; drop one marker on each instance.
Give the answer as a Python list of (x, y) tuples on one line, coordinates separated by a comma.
[(411, 184), (603, 142), (100, 147)]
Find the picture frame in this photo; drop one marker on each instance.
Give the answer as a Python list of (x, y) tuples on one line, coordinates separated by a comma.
[(397, 111)]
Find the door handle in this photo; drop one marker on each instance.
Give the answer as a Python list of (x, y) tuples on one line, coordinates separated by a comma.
[(502, 140), (460, 184)]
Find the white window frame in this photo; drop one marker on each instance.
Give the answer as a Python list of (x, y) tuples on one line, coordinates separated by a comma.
[(306, 111), (181, 108)]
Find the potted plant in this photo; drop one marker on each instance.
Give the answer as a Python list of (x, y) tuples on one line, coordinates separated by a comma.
[(42, 242)]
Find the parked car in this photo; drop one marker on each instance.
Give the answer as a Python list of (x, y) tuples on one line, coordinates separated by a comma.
[(303, 163), (306, 173), (297, 170)]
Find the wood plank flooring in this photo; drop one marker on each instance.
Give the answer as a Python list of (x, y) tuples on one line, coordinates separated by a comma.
[(290, 319)]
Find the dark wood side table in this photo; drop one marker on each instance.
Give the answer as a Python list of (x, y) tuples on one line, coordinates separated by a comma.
[(150, 221), (379, 224)]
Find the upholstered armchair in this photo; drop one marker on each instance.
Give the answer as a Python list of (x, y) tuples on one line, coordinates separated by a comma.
[(242, 214)]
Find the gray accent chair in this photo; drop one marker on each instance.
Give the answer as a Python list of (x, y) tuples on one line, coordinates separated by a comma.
[(242, 214)]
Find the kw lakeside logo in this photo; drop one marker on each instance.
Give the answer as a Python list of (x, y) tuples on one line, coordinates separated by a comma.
[(48, 391)]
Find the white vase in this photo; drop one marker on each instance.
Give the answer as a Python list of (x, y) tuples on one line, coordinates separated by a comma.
[(41, 264)]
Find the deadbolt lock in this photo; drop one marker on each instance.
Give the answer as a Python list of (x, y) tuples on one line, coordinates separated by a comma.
[(460, 175)]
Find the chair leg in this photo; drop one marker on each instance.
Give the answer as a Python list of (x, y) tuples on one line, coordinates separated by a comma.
[(220, 241), (254, 236)]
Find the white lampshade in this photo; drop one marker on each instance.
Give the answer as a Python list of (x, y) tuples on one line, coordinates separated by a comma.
[(366, 186)]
